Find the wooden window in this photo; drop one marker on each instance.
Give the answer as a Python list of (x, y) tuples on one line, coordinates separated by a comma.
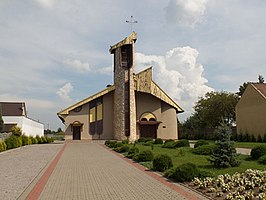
[(92, 114)]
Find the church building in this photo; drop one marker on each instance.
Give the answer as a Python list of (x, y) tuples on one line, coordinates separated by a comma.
[(133, 107)]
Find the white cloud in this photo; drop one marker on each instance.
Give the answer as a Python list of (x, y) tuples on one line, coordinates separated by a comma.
[(179, 74), (78, 65), (64, 91), (186, 12), (46, 3)]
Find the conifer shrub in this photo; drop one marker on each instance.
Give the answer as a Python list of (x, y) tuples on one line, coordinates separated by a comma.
[(44, 140), (258, 151), (132, 151), (110, 143), (13, 142), (2, 146), (162, 162), (182, 143), (184, 172), (39, 139), (25, 140), (253, 138), (264, 138), (200, 143), (16, 131), (259, 139), (224, 155), (262, 160), (158, 141), (33, 140), (148, 143), (118, 144), (204, 149), (143, 156), (125, 141)]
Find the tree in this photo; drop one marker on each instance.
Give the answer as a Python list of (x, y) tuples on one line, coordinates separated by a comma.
[(216, 107), (1, 120), (242, 88), (261, 79), (224, 155)]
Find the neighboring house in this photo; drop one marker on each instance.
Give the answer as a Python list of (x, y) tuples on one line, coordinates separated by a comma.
[(251, 110), (15, 114), (135, 106)]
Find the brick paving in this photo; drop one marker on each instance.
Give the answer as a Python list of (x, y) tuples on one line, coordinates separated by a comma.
[(90, 171)]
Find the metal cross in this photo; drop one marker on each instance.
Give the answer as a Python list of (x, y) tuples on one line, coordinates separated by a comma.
[(131, 22)]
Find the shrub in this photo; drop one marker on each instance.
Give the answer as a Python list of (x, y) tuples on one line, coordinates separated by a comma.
[(16, 131), (143, 139), (259, 138), (13, 142), (264, 137), (253, 138), (162, 162), (25, 140), (125, 141), (143, 156), (262, 160), (118, 144), (2, 146), (205, 149), (170, 145), (169, 140), (224, 155), (39, 139), (200, 143), (182, 143), (148, 143), (182, 173), (122, 149), (258, 151), (33, 140), (132, 151), (240, 137), (110, 143), (44, 140), (158, 141)]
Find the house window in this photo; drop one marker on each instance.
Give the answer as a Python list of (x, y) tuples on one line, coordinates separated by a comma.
[(96, 116)]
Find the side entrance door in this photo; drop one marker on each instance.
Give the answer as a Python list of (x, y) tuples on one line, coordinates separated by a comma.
[(76, 133), (148, 131)]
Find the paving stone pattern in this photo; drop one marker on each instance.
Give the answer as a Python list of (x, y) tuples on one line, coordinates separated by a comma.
[(89, 171), (18, 167)]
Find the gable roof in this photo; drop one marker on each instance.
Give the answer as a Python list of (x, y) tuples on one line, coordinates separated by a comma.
[(143, 83), (13, 108), (261, 88)]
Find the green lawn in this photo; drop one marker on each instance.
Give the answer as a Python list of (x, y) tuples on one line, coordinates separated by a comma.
[(184, 155)]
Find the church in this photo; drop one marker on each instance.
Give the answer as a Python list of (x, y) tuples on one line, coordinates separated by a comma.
[(133, 107)]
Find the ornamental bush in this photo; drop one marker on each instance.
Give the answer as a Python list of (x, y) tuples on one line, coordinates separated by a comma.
[(262, 160), (110, 143), (200, 143), (144, 156), (205, 149), (182, 143), (16, 131), (132, 151), (44, 140), (25, 140), (169, 140), (224, 155), (13, 142), (122, 149), (39, 139), (2, 146), (170, 145), (158, 141), (162, 162), (184, 172), (258, 151)]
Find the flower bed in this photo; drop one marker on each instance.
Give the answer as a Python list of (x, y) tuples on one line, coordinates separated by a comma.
[(248, 185)]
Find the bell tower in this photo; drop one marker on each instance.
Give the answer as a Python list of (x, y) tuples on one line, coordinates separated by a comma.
[(124, 95)]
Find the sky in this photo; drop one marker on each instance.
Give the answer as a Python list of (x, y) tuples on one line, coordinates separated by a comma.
[(54, 53)]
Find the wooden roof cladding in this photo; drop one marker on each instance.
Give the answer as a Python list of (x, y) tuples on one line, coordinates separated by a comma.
[(261, 87), (128, 40)]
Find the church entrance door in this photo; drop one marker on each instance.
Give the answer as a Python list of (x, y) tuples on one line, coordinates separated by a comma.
[(148, 131), (76, 133)]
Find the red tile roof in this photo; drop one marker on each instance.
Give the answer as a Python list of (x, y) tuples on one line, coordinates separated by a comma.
[(261, 87)]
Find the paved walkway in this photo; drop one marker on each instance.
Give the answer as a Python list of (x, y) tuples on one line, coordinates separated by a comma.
[(90, 171), (19, 167)]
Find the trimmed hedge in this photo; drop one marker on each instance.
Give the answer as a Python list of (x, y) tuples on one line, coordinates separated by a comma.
[(182, 173), (144, 156), (200, 143), (169, 144), (122, 149), (258, 151), (182, 143), (2, 146), (162, 162), (143, 139), (262, 160), (13, 142), (158, 141)]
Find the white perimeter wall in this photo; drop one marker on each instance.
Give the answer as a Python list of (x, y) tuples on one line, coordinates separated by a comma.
[(28, 126)]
